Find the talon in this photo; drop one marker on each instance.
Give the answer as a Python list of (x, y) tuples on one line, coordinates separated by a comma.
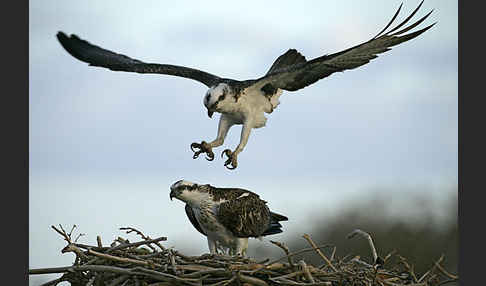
[(226, 152), (209, 155), (231, 163), (195, 145), (203, 148)]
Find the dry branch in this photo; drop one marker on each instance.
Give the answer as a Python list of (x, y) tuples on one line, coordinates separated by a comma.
[(129, 264)]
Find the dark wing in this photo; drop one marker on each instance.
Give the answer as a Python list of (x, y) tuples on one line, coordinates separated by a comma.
[(246, 216), (193, 220), (96, 56), (304, 73)]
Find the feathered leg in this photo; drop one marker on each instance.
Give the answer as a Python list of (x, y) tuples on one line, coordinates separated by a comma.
[(231, 163), (212, 246), (241, 246), (224, 125)]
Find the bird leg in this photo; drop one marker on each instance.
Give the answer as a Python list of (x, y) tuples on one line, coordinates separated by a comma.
[(213, 248), (232, 162), (223, 128), (203, 148)]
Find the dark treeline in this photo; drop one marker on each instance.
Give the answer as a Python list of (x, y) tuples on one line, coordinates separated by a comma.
[(420, 232)]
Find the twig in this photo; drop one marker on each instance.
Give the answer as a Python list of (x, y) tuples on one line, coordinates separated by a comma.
[(431, 270), (90, 281), (62, 233), (361, 262), (451, 276), (119, 280), (306, 271), (74, 226), (53, 282), (224, 282), (370, 242), (120, 259), (332, 254), (447, 281), (126, 245), (307, 237), (172, 261), (409, 268), (298, 252), (215, 271), (251, 280), (285, 281), (285, 249), (145, 237), (73, 248)]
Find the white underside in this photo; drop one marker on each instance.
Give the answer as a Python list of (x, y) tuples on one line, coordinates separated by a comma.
[(250, 107), (220, 239)]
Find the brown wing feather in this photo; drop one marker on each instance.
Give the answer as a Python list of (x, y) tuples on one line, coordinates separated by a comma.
[(302, 74), (289, 58), (246, 216), (192, 218), (96, 56)]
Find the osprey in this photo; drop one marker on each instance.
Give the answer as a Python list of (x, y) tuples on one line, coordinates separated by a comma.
[(227, 216), (245, 102)]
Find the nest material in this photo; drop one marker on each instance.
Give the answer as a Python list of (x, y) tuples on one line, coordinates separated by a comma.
[(147, 262)]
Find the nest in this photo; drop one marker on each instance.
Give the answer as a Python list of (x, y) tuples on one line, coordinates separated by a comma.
[(148, 262)]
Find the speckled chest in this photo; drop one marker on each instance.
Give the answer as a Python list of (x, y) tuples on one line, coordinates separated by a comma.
[(206, 217)]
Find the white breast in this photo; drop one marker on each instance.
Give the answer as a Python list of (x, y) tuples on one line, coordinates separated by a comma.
[(206, 217)]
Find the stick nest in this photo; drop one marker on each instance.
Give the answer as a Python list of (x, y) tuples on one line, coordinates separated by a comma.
[(148, 262)]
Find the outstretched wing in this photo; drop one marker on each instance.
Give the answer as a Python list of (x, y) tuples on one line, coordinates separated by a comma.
[(193, 220), (96, 56), (303, 73)]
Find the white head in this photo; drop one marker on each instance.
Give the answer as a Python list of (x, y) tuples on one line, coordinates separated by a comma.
[(215, 96), (189, 192)]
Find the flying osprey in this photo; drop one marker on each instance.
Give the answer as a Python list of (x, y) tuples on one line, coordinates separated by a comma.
[(227, 216), (245, 102)]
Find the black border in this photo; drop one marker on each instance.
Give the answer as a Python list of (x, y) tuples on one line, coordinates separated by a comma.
[(15, 136), (470, 121)]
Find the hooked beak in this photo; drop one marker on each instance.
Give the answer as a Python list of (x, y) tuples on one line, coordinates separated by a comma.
[(171, 195), (210, 113)]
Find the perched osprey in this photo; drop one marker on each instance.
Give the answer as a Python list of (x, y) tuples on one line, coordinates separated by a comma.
[(227, 216), (245, 102)]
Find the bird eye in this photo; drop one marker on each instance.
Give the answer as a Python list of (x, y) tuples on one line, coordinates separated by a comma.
[(221, 97)]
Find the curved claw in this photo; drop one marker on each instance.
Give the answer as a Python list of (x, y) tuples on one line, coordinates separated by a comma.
[(195, 145), (226, 152), (203, 148), (231, 163), (209, 155)]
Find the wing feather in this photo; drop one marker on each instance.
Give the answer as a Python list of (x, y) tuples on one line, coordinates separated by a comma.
[(97, 56), (192, 218), (246, 216), (302, 74)]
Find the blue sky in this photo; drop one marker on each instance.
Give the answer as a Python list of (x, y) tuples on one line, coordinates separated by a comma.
[(105, 146)]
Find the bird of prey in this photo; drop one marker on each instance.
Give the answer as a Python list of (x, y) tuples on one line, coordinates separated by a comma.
[(245, 102), (227, 216)]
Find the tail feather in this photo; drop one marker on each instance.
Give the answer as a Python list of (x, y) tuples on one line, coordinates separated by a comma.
[(278, 217), (275, 226)]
